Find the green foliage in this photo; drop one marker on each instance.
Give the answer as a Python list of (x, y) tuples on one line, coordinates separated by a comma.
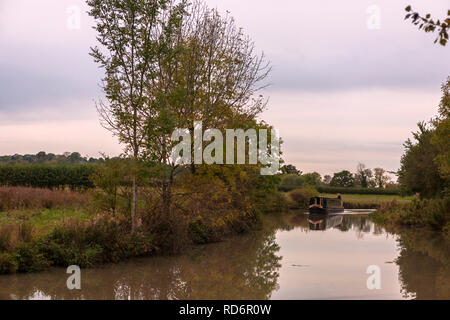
[(75, 177), (48, 158), (7, 263), (311, 179), (342, 179), (200, 233), (441, 136), (290, 169), (431, 213), (301, 197), (418, 172), (293, 181), (112, 182), (29, 258)]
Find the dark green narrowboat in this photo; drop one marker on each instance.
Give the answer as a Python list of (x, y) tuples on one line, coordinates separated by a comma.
[(325, 205)]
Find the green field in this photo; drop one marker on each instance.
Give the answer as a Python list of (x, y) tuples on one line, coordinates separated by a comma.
[(42, 220), (368, 201)]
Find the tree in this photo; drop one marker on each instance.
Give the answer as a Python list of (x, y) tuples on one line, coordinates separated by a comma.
[(429, 25), (327, 179), (290, 169), (126, 31), (380, 177), (441, 136), (208, 72), (418, 171), (311, 179), (363, 175), (342, 179), (169, 64), (425, 166)]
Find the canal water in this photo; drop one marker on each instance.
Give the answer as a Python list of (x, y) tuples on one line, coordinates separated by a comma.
[(297, 256)]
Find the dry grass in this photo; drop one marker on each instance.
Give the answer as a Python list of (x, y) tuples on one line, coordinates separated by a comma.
[(22, 198)]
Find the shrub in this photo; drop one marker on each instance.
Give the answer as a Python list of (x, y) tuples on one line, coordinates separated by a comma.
[(200, 233), (433, 213), (100, 241), (7, 233), (25, 232), (29, 258), (7, 263), (301, 197)]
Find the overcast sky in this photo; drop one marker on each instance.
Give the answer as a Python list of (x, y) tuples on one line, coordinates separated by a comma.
[(341, 92)]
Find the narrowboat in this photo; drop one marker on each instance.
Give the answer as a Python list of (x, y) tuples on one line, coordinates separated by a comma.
[(324, 205)]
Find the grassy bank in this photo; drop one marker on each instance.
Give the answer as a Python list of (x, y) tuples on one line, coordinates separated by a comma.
[(369, 201), (429, 213), (299, 199), (41, 228)]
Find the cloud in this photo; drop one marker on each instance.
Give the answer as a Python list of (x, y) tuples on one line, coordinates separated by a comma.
[(341, 93)]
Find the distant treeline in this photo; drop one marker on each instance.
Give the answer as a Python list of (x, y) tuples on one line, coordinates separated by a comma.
[(49, 158), (344, 190), (58, 176)]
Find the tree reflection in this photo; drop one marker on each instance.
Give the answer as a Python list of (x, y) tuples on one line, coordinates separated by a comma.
[(424, 264), (242, 268)]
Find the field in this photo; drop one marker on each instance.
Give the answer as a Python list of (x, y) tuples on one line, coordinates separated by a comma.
[(368, 201)]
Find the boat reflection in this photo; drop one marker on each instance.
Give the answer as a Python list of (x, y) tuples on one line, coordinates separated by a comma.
[(324, 221)]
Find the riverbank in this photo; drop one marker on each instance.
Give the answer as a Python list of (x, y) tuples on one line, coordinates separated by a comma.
[(299, 199), (40, 228), (284, 260), (432, 214)]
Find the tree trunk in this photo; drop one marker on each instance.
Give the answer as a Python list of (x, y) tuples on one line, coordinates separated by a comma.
[(134, 206)]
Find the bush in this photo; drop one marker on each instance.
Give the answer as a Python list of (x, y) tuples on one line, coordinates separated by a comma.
[(7, 233), (200, 233), (29, 258), (7, 263), (301, 197), (433, 213), (100, 241)]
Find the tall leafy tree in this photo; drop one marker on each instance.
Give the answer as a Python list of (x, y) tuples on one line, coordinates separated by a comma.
[(343, 179), (418, 172), (380, 177), (363, 175), (128, 52), (208, 71), (441, 136)]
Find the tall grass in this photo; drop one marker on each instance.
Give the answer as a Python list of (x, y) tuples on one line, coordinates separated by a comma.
[(20, 198)]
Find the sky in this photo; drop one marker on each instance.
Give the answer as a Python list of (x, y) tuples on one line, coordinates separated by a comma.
[(350, 78)]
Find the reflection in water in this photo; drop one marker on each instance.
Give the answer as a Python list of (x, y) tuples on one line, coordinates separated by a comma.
[(288, 260), (242, 268), (324, 222), (424, 263)]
